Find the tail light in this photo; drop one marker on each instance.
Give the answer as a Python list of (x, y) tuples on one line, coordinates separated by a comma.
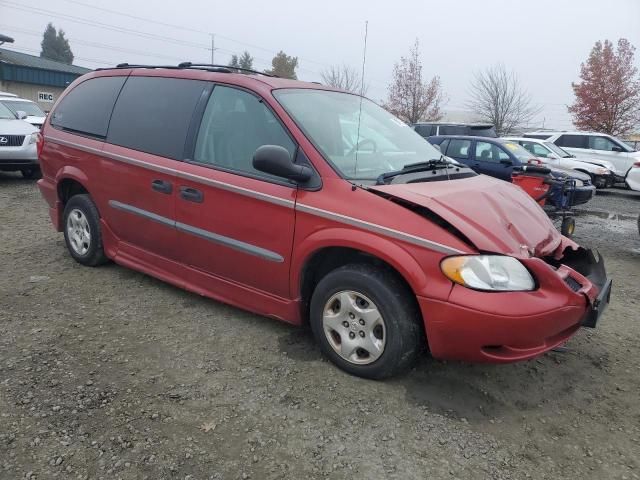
[(636, 164), (39, 143)]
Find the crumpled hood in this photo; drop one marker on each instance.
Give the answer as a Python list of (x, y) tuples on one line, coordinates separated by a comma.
[(494, 215)]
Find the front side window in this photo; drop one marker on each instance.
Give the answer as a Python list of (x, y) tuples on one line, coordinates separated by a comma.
[(87, 108), (153, 114), (29, 108), (359, 138), (605, 144), (537, 149), (235, 123), (459, 148), (490, 152)]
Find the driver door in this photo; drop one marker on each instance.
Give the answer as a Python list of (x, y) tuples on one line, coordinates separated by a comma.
[(236, 223)]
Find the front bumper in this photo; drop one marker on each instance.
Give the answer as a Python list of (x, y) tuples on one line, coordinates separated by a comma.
[(15, 158), (501, 327), (604, 181)]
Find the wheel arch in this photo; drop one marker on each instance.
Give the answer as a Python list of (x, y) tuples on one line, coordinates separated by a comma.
[(328, 249)]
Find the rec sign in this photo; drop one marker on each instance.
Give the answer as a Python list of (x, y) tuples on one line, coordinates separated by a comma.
[(45, 97)]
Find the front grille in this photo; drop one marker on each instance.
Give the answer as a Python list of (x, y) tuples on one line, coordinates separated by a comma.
[(11, 140), (573, 284)]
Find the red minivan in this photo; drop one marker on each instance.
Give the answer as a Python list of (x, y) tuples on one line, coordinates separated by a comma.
[(308, 204)]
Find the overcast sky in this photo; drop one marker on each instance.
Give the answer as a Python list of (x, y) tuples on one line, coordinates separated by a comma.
[(543, 41)]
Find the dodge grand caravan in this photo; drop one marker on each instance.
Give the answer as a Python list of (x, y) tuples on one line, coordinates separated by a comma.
[(259, 192)]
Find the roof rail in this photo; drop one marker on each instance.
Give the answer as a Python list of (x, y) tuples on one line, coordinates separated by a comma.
[(210, 67)]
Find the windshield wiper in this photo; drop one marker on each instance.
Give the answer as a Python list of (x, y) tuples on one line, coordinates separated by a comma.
[(432, 164)]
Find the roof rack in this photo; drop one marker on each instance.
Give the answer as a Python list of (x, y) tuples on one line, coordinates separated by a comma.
[(210, 67)]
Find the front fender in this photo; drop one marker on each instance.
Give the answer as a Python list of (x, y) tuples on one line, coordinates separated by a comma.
[(392, 253)]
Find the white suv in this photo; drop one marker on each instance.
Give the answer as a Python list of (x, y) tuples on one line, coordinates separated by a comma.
[(18, 150), (588, 146), (34, 114), (600, 171)]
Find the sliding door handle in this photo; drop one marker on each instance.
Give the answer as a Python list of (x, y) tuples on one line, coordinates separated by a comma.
[(191, 194)]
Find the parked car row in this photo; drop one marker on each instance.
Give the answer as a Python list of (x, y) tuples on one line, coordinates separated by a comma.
[(604, 158), (594, 148)]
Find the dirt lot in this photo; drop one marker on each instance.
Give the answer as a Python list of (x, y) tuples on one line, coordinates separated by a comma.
[(107, 373)]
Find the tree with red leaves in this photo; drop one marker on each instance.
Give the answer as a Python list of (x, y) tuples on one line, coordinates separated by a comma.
[(608, 95), (410, 98)]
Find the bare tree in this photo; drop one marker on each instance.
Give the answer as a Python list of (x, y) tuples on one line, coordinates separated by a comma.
[(498, 98), (410, 97), (345, 78)]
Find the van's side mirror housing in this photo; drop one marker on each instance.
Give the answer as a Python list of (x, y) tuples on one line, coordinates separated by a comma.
[(21, 115), (616, 148), (275, 160)]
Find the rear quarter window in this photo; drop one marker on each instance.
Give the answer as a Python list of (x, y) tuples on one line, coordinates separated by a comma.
[(425, 130), (153, 114), (87, 108)]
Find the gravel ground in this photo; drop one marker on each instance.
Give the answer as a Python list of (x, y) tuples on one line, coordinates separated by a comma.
[(108, 373)]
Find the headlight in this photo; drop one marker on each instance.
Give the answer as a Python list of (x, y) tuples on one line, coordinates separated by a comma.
[(33, 138), (602, 171), (488, 272)]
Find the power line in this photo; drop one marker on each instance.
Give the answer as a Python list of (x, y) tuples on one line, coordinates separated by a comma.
[(92, 23)]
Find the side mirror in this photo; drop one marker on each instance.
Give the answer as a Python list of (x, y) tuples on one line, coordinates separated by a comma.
[(616, 148), (275, 160), (506, 162), (21, 115)]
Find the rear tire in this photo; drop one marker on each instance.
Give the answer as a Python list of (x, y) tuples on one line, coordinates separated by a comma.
[(82, 231), (367, 321)]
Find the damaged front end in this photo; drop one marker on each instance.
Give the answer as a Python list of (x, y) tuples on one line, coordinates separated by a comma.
[(584, 272)]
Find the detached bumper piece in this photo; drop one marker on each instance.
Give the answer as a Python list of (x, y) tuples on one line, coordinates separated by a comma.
[(592, 268)]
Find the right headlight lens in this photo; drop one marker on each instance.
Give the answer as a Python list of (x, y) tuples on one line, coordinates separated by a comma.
[(488, 272)]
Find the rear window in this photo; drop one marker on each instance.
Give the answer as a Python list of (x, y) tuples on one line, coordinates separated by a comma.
[(539, 136), (453, 130), (483, 132), (572, 141), (153, 115), (86, 109)]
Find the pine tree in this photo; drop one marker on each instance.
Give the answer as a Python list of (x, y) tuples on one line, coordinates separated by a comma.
[(55, 46), (283, 66), (246, 61)]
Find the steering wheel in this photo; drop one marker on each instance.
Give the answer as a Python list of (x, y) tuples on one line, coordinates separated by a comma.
[(361, 143)]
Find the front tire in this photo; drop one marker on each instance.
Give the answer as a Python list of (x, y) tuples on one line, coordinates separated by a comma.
[(366, 321), (30, 173), (82, 233)]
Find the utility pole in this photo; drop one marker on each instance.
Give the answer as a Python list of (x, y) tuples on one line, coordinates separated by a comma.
[(213, 47)]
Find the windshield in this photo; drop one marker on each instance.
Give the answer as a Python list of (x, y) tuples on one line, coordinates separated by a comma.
[(29, 108), (557, 150), (5, 113), (519, 152), (382, 144)]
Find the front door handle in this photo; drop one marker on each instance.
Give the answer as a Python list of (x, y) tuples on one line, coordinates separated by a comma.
[(162, 186), (191, 194)]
